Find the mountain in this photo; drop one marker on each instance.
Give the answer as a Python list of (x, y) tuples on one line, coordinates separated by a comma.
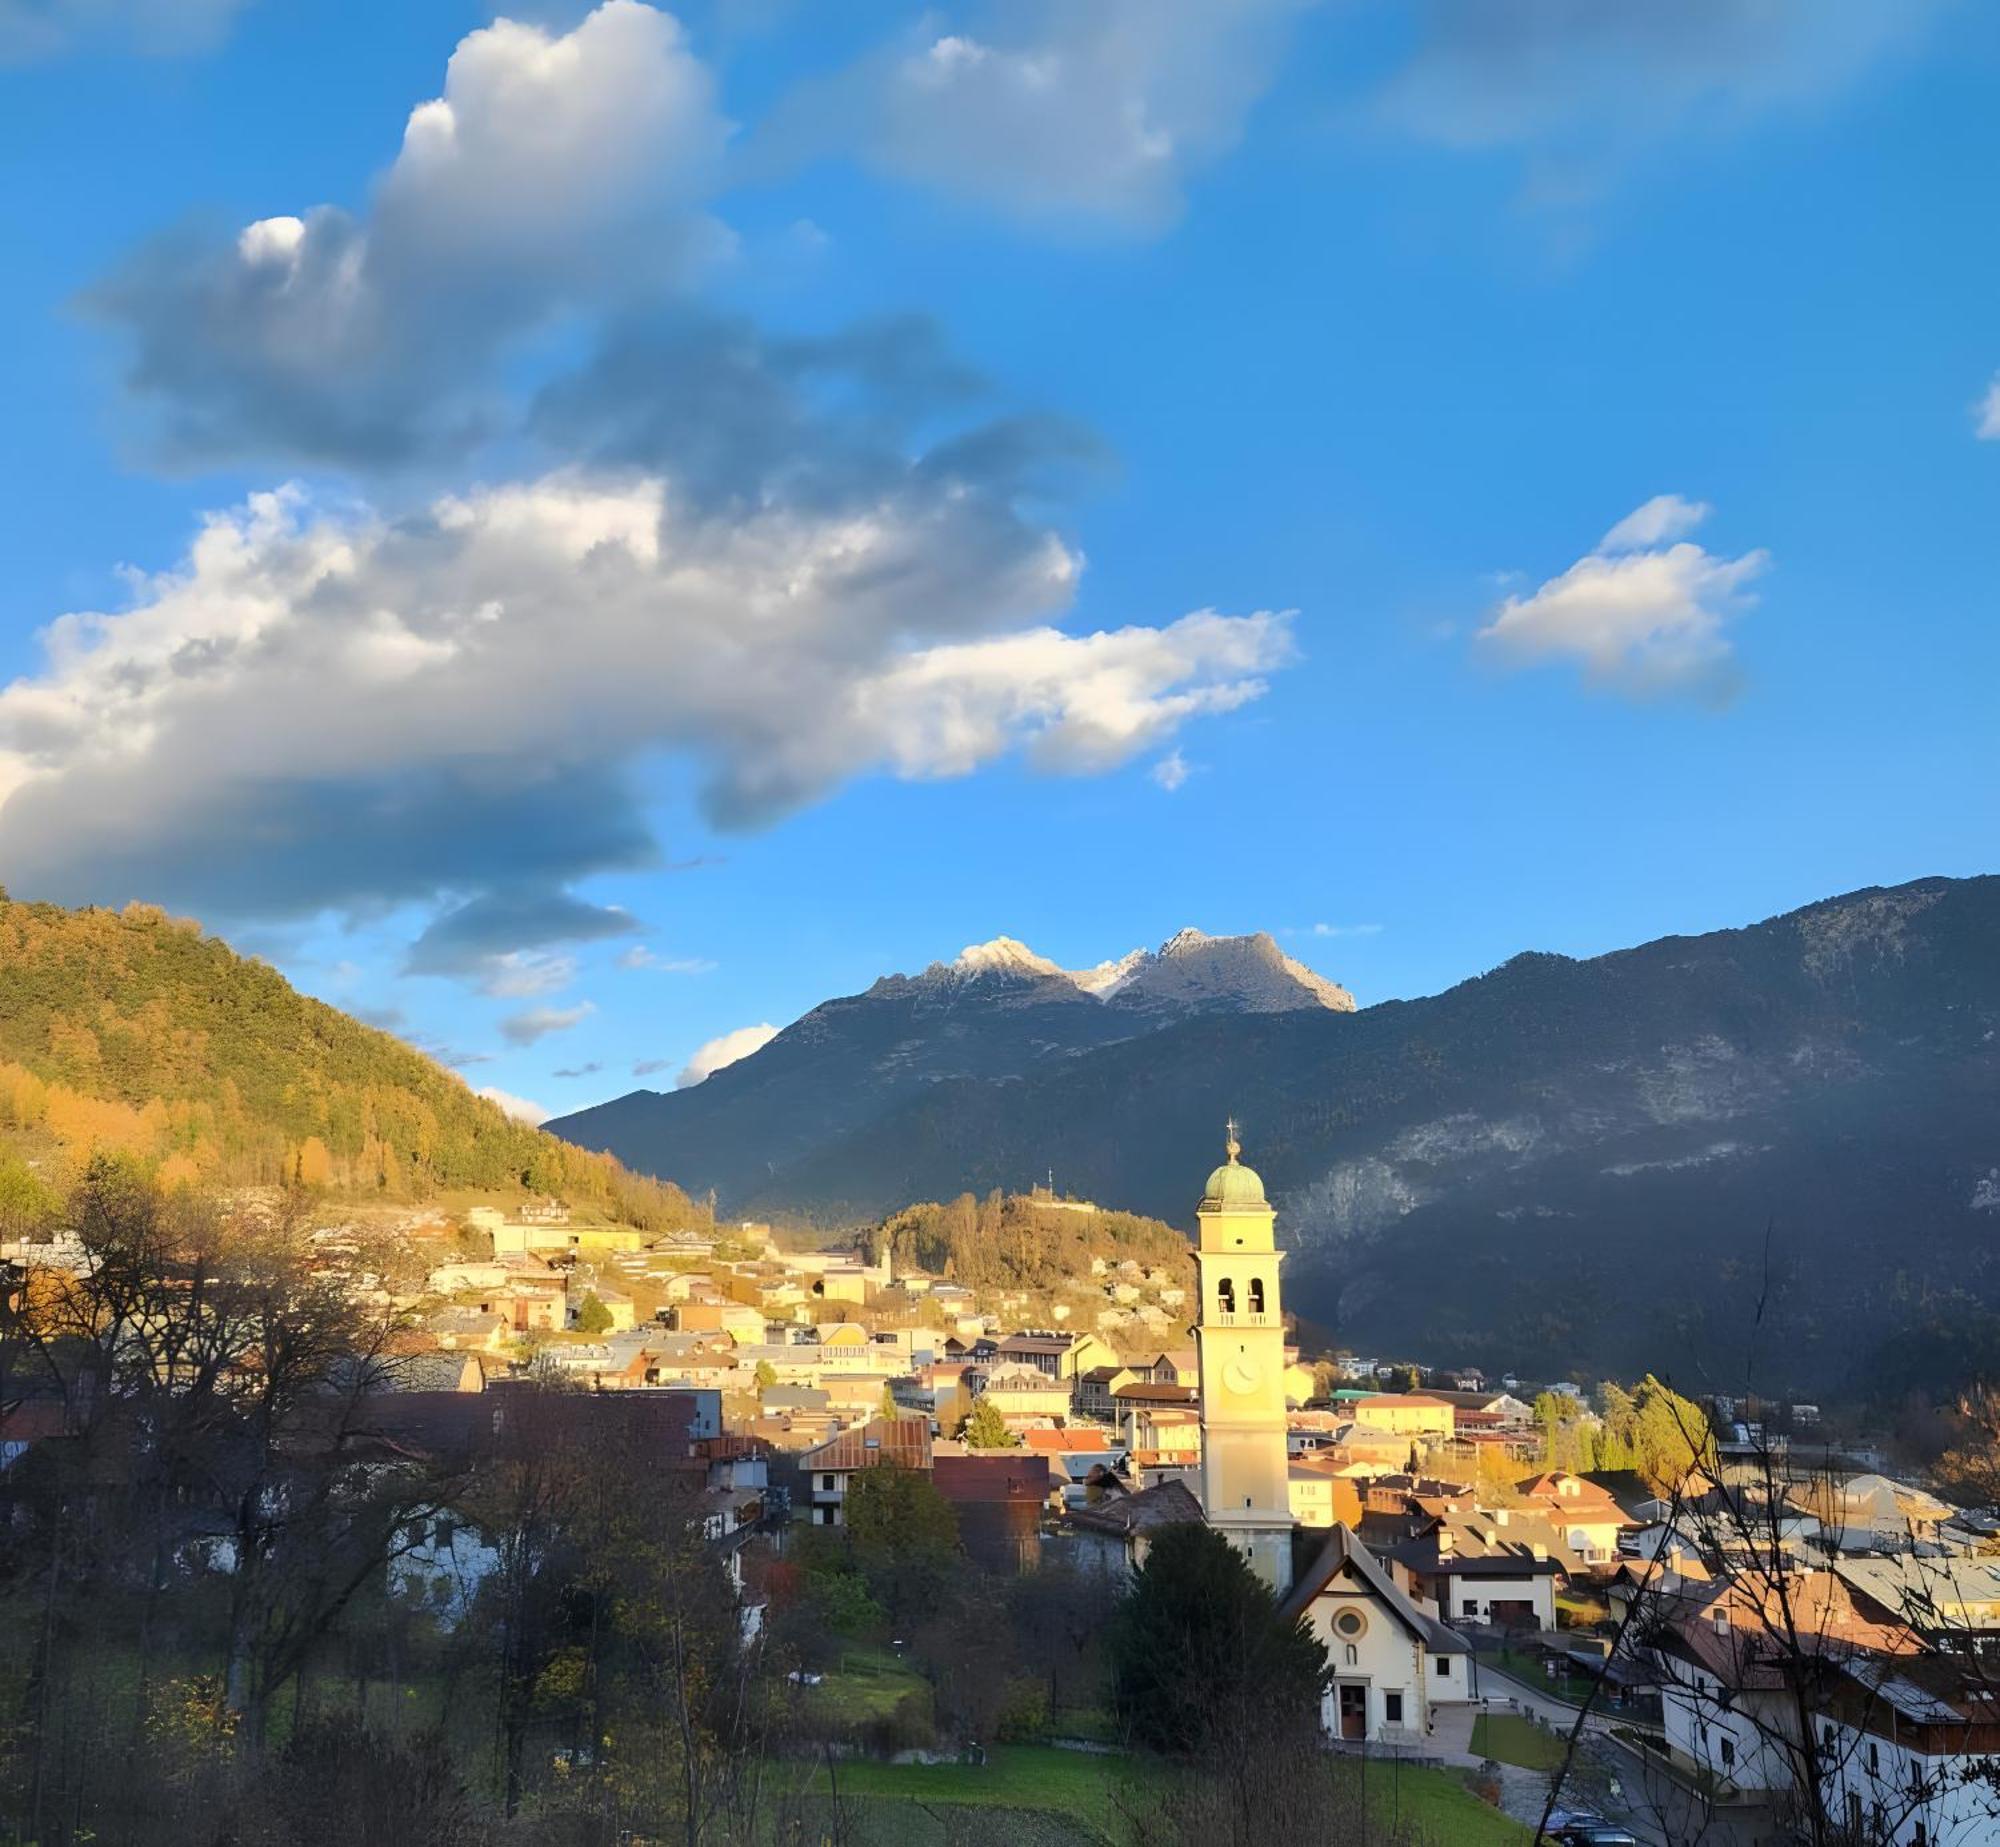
[(995, 1013), (1769, 1153), (131, 1031)]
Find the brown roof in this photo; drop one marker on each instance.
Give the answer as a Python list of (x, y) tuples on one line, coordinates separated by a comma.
[(1009, 1477), (904, 1441), (1171, 1503)]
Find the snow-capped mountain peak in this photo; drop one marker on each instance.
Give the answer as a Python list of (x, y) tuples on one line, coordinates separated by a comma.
[(1005, 955), (1191, 972)]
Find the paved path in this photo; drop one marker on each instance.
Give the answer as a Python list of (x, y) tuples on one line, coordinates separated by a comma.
[(1607, 1775)]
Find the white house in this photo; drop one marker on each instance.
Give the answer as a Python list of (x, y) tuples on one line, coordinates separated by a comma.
[(1391, 1660)]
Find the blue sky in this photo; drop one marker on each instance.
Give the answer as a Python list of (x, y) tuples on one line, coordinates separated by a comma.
[(725, 504)]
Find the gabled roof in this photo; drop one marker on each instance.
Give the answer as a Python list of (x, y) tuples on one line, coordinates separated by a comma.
[(1343, 1555), (904, 1441)]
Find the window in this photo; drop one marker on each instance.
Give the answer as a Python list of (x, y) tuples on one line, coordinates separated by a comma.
[(1874, 1759), (1443, 1666), (1225, 1296), (826, 1482), (1350, 1622), (1392, 1709), (1353, 1655), (1728, 1752), (1256, 1295), (1470, 1607)]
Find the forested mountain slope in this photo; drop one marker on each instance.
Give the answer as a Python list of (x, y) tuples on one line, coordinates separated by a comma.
[(132, 1031)]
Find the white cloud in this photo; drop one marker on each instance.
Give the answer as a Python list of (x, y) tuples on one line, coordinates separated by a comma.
[(1640, 616), (522, 1109), (639, 956), (535, 1023), (555, 171), (227, 742), (1664, 517), (1360, 929), (1615, 73), (1170, 772), (1988, 412), (32, 29), (522, 972), (725, 1049), (1077, 109)]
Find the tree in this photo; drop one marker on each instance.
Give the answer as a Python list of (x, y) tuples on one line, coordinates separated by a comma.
[(592, 1317), (985, 1428), (889, 1407), (766, 1375), (1203, 1665)]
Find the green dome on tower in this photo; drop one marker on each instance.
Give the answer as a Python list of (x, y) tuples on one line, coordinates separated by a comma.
[(1232, 1184)]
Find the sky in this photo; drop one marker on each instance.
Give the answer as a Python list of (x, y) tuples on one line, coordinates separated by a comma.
[(579, 533)]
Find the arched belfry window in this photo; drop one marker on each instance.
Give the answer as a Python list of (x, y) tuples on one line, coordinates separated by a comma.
[(1225, 1296), (1256, 1295)]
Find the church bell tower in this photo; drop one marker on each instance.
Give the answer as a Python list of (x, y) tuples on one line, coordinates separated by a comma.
[(1240, 1336)]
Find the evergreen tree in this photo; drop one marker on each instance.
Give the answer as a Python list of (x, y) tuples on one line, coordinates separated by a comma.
[(1202, 1663), (985, 1428)]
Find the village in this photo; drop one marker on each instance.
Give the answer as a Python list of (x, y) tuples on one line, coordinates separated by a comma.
[(1736, 1619)]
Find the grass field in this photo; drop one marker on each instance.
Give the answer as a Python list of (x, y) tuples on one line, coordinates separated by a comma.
[(1101, 1793), (1571, 1688), (1512, 1739), (865, 1685), (1440, 1804)]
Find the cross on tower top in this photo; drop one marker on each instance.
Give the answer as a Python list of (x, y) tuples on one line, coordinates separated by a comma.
[(1234, 1146)]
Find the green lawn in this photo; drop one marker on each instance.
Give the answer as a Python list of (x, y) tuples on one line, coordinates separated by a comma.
[(1512, 1739), (1573, 1689), (1439, 1802), (1077, 1784), (866, 1684), (1086, 1788)]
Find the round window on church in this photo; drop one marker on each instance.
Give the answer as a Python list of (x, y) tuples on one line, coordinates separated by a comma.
[(1351, 1623)]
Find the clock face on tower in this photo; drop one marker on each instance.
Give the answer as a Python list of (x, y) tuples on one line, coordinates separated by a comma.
[(1242, 1375)]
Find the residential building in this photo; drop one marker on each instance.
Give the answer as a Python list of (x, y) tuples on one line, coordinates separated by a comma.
[(904, 1442)]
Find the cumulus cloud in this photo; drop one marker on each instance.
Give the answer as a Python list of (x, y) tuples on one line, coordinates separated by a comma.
[(1643, 614), (1988, 412), (520, 1108), (327, 709), (534, 1023), (555, 171), (35, 29), (1171, 772), (725, 1049), (1085, 110), (1487, 75)]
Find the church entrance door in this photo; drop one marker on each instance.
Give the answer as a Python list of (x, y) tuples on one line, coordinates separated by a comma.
[(1353, 1711)]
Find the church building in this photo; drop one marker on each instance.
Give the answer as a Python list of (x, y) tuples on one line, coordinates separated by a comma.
[(1393, 1659), (1240, 1337)]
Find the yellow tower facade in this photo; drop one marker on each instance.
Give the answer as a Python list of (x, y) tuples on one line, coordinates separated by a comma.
[(1240, 1335)]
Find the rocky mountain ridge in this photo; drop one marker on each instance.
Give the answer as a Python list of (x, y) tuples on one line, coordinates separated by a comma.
[(1558, 1166)]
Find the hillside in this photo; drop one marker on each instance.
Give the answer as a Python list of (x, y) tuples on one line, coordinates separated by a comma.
[(132, 1031), (1559, 1166)]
